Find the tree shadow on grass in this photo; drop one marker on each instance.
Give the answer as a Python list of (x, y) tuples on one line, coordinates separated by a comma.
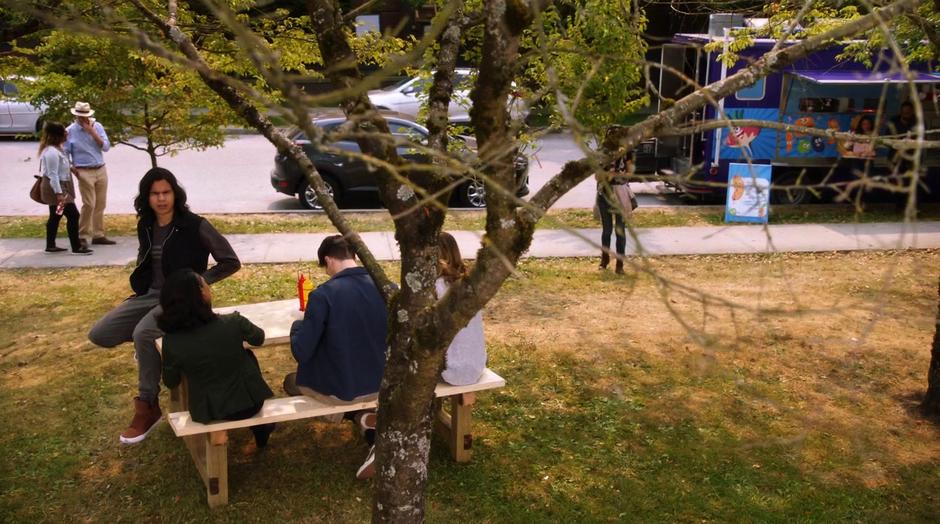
[(911, 403)]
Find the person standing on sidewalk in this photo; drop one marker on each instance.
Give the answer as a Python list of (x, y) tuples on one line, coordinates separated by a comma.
[(87, 141), (614, 207), (54, 165), (171, 238)]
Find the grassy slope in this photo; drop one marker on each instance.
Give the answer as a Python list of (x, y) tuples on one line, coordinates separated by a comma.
[(800, 412)]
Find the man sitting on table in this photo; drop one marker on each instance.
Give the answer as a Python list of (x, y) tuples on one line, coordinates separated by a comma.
[(340, 343)]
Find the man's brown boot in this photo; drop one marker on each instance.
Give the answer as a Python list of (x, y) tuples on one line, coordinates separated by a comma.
[(146, 417), (605, 259), (619, 268)]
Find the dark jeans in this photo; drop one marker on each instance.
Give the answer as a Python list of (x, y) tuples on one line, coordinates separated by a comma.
[(261, 431), (610, 215), (71, 225)]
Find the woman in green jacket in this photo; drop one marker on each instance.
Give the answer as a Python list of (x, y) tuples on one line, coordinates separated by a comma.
[(224, 378)]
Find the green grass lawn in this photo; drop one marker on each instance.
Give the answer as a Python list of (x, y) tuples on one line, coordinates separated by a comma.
[(124, 225), (797, 405)]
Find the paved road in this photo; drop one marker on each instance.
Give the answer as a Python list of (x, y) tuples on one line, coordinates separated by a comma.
[(234, 178)]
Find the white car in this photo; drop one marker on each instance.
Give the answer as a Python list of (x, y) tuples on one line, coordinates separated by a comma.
[(403, 97), (17, 118)]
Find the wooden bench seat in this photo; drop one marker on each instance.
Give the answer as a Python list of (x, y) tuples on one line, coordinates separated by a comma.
[(208, 443), (284, 409)]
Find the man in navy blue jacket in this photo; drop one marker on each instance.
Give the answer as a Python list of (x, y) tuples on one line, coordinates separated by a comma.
[(339, 346)]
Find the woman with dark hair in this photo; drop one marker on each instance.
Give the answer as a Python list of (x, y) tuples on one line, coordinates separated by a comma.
[(170, 237), (54, 164), (465, 360), (224, 378), (614, 207), (864, 127)]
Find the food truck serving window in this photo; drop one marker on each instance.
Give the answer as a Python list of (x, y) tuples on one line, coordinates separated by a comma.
[(754, 92), (826, 104)]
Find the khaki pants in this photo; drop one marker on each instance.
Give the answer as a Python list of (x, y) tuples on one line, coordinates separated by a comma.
[(292, 388), (93, 186)]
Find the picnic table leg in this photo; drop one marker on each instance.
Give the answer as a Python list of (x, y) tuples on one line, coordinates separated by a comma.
[(217, 468), (456, 426)]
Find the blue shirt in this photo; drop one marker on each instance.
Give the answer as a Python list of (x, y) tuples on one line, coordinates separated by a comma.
[(340, 344), (55, 167), (83, 149)]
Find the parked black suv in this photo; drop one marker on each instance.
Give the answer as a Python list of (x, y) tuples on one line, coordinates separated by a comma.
[(345, 175)]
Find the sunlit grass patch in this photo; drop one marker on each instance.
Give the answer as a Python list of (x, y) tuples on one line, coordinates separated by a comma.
[(474, 220), (798, 410)]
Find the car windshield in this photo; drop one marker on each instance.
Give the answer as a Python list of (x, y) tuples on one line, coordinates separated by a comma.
[(9, 89), (398, 84), (461, 81), (412, 133), (397, 128)]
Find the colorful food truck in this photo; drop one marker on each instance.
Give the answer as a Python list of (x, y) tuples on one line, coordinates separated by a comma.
[(821, 91)]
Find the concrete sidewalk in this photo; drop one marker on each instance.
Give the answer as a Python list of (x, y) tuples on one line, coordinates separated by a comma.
[(548, 243)]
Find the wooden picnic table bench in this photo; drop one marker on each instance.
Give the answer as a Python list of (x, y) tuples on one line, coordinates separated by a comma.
[(208, 443)]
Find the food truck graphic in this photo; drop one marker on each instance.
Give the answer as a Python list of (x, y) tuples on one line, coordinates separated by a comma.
[(821, 91)]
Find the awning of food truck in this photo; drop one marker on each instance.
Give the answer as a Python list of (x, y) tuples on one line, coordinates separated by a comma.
[(868, 77)]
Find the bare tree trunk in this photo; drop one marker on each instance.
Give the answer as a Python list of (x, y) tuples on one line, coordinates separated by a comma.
[(931, 404), (152, 153), (151, 149)]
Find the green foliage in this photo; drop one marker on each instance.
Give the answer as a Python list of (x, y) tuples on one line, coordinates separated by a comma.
[(375, 49), (596, 49), (136, 94), (907, 33), (133, 94)]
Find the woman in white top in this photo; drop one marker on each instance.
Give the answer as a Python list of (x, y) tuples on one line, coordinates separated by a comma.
[(865, 126), (466, 356), (54, 164)]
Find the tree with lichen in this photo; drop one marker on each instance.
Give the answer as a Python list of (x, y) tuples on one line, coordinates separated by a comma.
[(421, 325), (931, 403)]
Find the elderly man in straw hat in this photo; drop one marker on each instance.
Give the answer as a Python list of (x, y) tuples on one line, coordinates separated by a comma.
[(86, 144)]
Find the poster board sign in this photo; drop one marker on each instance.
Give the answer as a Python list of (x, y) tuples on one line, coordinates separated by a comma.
[(748, 193)]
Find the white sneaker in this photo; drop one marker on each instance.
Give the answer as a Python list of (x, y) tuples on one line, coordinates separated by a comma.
[(367, 469)]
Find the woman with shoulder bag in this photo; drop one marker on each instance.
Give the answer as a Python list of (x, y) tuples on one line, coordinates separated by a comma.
[(614, 205), (59, 193)]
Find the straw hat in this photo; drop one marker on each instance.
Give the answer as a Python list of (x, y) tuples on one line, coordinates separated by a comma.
[(82, 109)]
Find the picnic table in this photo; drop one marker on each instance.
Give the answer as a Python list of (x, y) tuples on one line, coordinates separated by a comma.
[(208, 443)]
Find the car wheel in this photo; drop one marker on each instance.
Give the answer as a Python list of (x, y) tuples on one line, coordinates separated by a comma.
[(473, 194), (794, 191), (308, 198), (39, 123)]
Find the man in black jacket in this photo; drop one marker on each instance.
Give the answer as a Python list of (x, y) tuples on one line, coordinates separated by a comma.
[(171, 237), (340, 344)]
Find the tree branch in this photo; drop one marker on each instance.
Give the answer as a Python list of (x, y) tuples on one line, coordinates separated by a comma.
[(886, 140), (31, 26), (442, 89), (247, 110), (621, 140)]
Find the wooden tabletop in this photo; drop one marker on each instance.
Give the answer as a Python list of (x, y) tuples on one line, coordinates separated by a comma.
[(275, 318)]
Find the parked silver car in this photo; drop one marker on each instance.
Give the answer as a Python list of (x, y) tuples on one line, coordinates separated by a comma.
[(17, 118), (405, 97)]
